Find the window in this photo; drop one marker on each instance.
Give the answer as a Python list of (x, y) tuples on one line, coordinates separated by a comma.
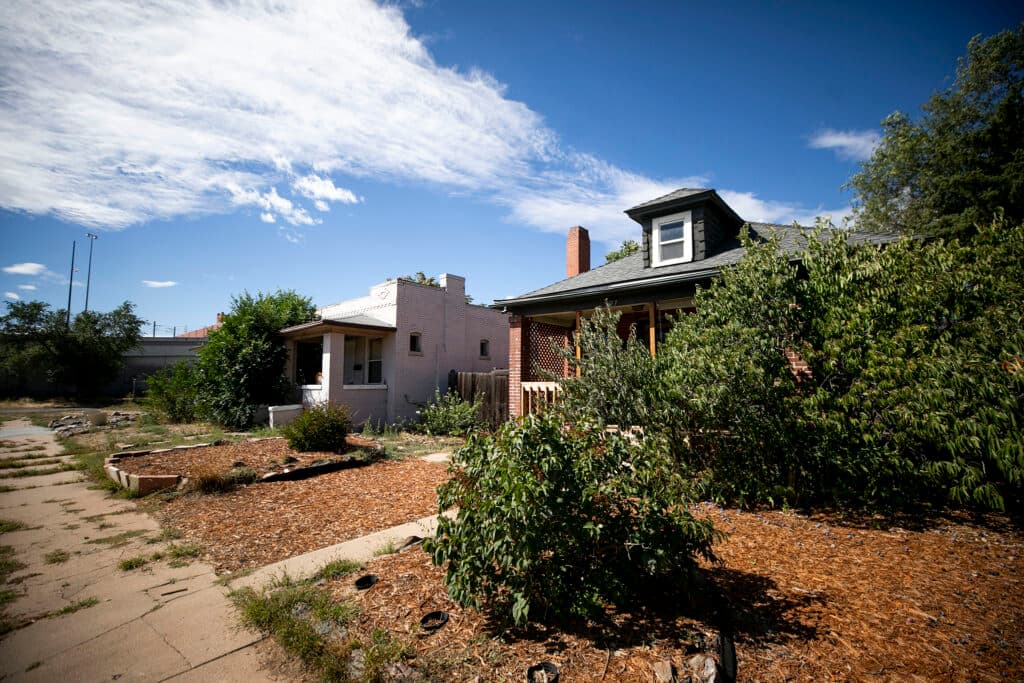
[(375, 362), (308, 361), (672, 239), (485, 348), (415, 343)]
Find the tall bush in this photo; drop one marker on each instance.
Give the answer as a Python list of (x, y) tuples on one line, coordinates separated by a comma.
[(554, 522), (243, 365), (172, 393)]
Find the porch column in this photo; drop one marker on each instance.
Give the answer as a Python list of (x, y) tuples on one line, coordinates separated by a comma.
[(576, 340), (333, 366), (652, 313), (518, 344)]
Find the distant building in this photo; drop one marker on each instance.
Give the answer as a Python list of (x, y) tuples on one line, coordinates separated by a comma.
[(384, 354)]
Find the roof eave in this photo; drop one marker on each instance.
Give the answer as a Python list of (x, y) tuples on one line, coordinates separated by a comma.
[(639, 213), (333, 324)]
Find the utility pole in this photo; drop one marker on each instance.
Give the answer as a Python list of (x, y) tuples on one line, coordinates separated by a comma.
[(71, 281), (88, 277)]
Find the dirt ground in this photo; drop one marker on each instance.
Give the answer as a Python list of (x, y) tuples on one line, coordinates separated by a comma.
[(811, 598), (263, 523)]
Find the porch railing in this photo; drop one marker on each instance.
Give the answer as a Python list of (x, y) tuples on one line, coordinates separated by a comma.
[(537, 395)]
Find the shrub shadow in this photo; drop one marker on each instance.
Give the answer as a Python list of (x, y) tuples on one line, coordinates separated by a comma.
[(748, 607)]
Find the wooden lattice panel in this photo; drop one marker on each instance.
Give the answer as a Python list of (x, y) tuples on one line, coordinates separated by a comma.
[(544, 341)]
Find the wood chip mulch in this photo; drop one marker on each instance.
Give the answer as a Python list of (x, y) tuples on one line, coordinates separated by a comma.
[(812, 598), (263, 523), (261, 455)]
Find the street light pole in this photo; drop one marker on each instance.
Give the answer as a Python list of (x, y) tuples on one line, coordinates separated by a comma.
[(88, 277), (71, 281)]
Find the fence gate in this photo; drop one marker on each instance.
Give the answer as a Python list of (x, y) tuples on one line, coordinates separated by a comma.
[(492, 385)]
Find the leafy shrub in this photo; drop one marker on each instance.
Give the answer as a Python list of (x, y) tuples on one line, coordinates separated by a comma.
[(555, 522), (914, 389), (320, 428), (173, 393), (449, 415)]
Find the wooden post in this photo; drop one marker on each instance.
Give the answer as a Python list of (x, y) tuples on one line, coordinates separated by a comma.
[(651, 328), (576, 339)]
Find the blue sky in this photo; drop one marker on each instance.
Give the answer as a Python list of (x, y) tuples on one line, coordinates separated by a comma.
[(325, 146)]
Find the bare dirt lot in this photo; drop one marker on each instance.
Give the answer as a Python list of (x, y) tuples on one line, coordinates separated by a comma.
[(811, 598), (262, 523)]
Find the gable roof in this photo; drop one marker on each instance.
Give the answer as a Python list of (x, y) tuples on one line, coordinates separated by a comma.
[(357, 322), (629, 273)]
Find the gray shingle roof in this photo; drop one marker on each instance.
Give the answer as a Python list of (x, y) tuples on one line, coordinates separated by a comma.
[(629, 272), (681, 193)]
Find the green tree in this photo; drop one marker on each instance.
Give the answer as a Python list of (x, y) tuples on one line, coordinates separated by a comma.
[(963, 160), (243, 364), (625, 249), (38, 346)]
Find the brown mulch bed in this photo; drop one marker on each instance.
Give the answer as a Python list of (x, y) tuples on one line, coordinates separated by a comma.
[(811, 598), (261, 455), (263, 523)]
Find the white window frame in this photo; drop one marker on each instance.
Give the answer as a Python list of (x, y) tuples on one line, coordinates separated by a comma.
[(686, 218)]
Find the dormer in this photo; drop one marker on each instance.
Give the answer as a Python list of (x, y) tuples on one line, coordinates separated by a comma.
[(684, 226)]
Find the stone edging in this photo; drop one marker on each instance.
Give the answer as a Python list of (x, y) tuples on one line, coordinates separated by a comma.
[(144, 484)]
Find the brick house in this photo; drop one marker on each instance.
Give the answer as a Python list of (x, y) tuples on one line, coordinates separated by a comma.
[(384, 354), (688, 236)]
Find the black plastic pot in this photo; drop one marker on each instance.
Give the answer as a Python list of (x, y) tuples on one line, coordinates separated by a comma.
[(367, 581), (433, 621), (548, 668)]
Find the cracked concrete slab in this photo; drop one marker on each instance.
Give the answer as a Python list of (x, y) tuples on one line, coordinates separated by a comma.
[(148, 624)]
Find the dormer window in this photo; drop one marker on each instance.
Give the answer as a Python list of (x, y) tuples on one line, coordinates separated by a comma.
[(672, 239)]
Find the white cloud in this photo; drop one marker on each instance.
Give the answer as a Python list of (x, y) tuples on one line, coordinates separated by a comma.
[(12, 295), (317, 188), (230, 101), (159, 284), (27, 288), (272, 203), (25, 269), (854, 145)]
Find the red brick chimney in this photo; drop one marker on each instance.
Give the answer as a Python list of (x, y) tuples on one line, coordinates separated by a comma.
[(577, 251)]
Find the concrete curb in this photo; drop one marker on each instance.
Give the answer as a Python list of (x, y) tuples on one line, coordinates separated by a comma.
[(357, 550), (144, 484)]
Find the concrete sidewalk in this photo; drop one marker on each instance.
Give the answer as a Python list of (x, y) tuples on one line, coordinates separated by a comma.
[(155, 623), (159, 622)]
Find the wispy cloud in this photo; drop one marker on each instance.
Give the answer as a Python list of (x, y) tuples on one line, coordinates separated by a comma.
[(854, 145), (321, 190), (27, 288), (12, 295), (159, 284), (25, 269), (338, 90)]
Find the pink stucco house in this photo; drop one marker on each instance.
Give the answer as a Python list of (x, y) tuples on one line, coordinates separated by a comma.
[(384, 354)]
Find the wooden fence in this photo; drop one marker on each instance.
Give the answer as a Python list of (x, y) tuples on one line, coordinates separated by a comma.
[(492, 385)]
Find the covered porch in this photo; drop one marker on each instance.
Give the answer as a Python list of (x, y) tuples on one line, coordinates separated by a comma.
[(539, 342), (343, 362)]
